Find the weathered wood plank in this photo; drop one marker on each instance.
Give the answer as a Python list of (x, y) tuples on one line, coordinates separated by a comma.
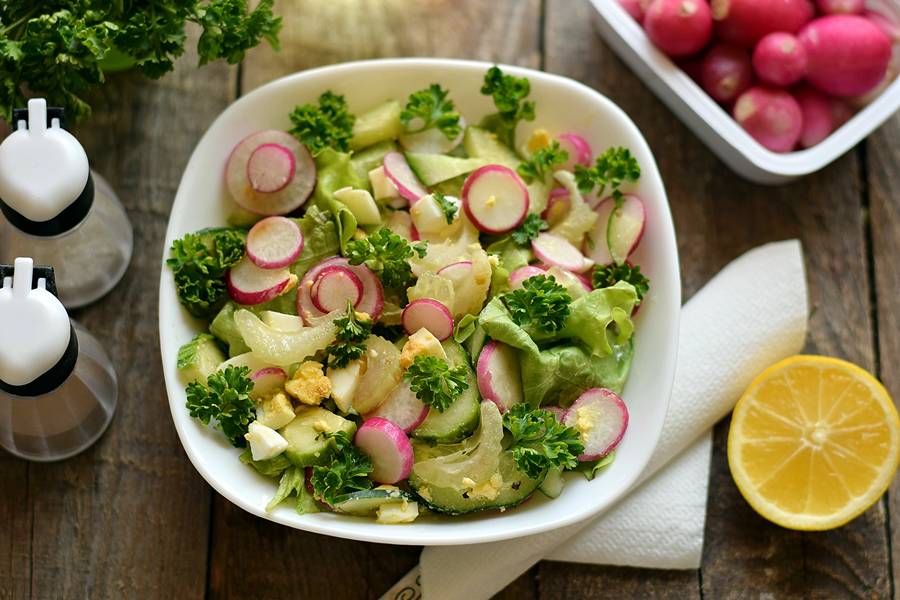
[(561, 581), (130, 516), (15, 523), (293, 563)]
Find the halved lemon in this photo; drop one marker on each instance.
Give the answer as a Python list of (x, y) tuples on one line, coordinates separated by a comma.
[(814, 442)]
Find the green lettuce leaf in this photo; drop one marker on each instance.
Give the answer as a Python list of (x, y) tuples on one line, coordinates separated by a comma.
[(320, 238), (272, 467), (335, 170)]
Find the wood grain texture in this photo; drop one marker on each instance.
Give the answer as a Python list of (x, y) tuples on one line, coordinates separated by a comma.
[(15, 524), (561, 581)]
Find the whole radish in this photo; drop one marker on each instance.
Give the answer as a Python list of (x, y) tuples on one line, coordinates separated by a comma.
[(841, 7), (772, 117), (745, 22), (679, 27), (848, 55), (633, 8), (818, 119), (726, 72), (779, 59), (886, 15)]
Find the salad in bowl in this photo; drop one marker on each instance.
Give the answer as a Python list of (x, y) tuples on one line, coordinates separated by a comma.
[(411, 311)]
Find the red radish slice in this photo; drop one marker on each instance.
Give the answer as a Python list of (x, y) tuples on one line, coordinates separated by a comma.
[(626, 228), (457, 272), (601, 418), (432, 140), (248, 284), (575, 283), (274, 242), (495, 199), (595, 246), (429, 314), (556, 251), (498, 375), (372, 301), (387, 446), (267, 380), (402, 408), (522, 273), (558, 412), (249, 174), (578, 148), (335, 287), (270, 168), (397, 170), (558, 206)]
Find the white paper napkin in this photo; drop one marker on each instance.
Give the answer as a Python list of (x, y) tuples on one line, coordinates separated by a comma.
[(752, 314)]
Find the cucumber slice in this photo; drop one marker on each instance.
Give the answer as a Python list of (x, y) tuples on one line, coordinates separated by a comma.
[(199, 358), (476, 343), (461, 418), (224, 328), (366, 502), (379, 124), (435, 168), (553, 483), (306, 444), (370, 158), (451, 187)]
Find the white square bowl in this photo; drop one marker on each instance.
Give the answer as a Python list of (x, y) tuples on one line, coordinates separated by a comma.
[(562, 105), (713, 124)]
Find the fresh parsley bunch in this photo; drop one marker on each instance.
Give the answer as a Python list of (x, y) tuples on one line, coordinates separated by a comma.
[(611, 169), (609, 275), (328, 125), (56, 47), (542, 162), (226, 398), (435, 383), (541, 302), (539, 441), (349, 343), (508, 93), (199, 262), (387, 255), (347, 471), (432, 107)]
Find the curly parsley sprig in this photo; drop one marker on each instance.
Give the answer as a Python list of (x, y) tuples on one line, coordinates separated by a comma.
[(609, 275), (530, 228), (226, 398), (448, 207), (541, 302), (330, 125), (432, 107), (199, 262), (508, 93), (435, 383), (349, 343), (540, 442), (347, 470), (542, 162), (387, 255), (611, 169)]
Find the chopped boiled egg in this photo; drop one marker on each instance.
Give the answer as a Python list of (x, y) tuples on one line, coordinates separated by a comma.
[(275, 412), (309, 385), (382, 187), (421, 343), (265, 442)]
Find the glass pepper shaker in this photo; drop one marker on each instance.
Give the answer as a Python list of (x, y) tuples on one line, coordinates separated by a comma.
[(57, 210), (58, 388)]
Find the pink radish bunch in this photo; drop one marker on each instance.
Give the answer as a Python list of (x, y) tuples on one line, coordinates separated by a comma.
[(332, 283)]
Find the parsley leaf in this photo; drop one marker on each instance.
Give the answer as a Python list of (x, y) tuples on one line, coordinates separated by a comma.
[(449, 207), (539, 441), (610, 275), (330, 125), (530, 228), (226, 398), (347, 471), (540, 302), (435, 383), (612, 168), (433, 108), (542, 162), (199, 262), (387, 254), (349, 343), (508, 93)]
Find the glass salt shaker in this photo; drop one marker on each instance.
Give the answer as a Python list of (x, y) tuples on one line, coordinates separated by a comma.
[(58, 388), (57, 210)]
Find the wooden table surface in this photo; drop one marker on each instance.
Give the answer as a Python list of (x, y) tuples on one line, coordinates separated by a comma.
[(131, 518)]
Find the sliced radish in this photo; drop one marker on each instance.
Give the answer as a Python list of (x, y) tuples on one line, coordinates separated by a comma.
[(270, 168), (432, 141), (274, 242), (578, 148), (595, 246), (558, 412), (267, 380), (495, 199), (601, 418), (558, 206), (249, 284), (498, 375), (386, 445), (372, 301), (270, 173), (428, 314), (522, 273), (397, 170), (575, 283), (555, 251), (335, 287), (626, 228), (402, 408), (457, 272)]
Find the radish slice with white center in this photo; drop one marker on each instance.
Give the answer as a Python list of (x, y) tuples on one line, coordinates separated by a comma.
[(601, 418), (386, 445), (258, 164), (556, 251), (558, 206), (274, 242), (371, 303), (522, 273), (499, 376), (335, 287), (495, 199), (270, 168), (248, 284), (558, 412), (432, 140), (595, 246), (267, 380), (402, 408), (578, 148), (575, 283), (429, 314), (397, 170), (458, 272), (626, 228)]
